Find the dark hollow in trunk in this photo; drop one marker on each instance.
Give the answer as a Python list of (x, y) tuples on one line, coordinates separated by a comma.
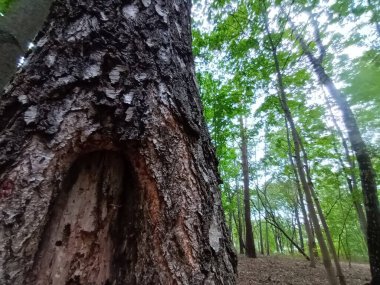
[(93, 232)]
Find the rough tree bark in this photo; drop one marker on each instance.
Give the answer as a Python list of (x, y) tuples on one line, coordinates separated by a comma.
[(106, 166)]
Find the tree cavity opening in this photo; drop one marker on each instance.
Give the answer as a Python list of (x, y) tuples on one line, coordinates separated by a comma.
[(91, 234)]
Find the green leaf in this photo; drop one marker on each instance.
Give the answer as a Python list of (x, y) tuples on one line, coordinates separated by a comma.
[(4, 5)]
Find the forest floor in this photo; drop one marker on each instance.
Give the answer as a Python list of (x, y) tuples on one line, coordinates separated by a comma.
[(287, 270)]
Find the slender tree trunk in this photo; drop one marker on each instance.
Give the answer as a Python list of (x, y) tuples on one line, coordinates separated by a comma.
[(271, 218), (308, 226), (330, 242), (354, 191), (294, 234), (280, 242), (259, 209), (315, 248), (240, 230), (230, 218), (265, 194), (261, 233), (267, 237), (350, 174), (107, 173), (250, 249), (240, 235), (329, 239), (367, 173), (261, 238), (230, 225), (313, 214), (299, 225), (276, 239), (300, 168)]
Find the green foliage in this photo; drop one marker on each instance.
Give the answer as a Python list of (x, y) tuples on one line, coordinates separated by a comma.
[(4, 5), (364, 93), (238, 78), (364, 85)]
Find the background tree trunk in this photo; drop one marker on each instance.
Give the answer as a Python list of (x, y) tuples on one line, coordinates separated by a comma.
[(250, 249), (367, 173), (239, 223), (322, 219), (102, 135), (298, 160), (299, 225), (307, 221), (349, 172)]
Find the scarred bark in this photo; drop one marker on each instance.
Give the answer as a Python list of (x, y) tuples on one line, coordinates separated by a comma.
[(110, 83)]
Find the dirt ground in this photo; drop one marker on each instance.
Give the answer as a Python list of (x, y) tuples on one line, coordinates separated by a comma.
[(286, 270)]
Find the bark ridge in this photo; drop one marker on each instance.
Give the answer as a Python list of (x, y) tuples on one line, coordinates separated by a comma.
[(111, 83)]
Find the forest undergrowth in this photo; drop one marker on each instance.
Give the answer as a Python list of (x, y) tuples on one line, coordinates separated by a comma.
[(293, 271)]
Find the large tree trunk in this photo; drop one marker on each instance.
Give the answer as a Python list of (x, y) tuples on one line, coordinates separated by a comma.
[(106, 165)]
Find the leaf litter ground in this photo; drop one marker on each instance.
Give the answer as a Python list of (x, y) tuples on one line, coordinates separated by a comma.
[(293, 271)]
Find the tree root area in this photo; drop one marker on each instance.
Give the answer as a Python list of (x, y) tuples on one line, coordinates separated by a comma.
[(293, 271)]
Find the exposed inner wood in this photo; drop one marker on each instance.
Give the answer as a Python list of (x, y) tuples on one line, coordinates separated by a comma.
[(80, 239)]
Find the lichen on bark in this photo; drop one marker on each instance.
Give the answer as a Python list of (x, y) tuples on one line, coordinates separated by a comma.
[(117, 81)]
